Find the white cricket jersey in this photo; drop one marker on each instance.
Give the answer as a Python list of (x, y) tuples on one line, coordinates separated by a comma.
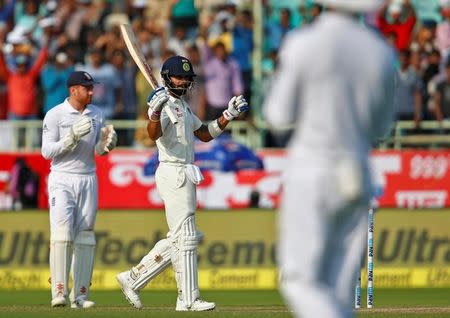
[(336, 83), (57, 123), (176, 145)]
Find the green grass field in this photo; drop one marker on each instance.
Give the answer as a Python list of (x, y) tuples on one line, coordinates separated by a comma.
[(258, 304)]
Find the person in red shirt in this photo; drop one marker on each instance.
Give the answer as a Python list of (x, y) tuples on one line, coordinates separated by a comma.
[(21, 84), (399, 19)]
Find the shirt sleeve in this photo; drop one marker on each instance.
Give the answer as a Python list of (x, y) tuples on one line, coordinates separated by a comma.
[(384, 113), (52, 144), (196, 122), (281, 105)]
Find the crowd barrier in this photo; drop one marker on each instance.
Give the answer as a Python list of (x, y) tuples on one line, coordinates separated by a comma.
[(24, 135)]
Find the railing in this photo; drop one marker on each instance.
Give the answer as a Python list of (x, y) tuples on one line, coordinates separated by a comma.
[(26, 135)]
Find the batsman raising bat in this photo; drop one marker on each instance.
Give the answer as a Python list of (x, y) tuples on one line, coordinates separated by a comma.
[(176, 180), (71, 132)]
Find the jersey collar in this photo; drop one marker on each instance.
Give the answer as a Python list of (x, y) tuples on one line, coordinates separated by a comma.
[(70, 109)]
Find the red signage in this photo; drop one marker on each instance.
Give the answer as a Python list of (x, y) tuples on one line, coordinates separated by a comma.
[(402, 179)]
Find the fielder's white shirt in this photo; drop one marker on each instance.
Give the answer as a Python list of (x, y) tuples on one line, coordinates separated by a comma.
[(336, 83), (176, 145), (56, 125)]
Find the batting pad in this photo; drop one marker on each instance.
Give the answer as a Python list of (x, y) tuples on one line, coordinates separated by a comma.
[(187, 261), (83, 264), (60, 258), (157, 260)]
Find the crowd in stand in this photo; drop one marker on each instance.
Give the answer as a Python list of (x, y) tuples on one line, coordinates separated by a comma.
[(42, 41)]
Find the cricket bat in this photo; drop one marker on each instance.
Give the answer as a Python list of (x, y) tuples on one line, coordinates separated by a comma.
[(140, 60)]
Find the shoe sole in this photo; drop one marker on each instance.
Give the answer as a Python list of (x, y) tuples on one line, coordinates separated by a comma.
[(125, 294), (211, 309)]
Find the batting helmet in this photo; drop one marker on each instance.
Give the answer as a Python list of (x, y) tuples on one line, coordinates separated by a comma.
[(177, 66), (353, 5)]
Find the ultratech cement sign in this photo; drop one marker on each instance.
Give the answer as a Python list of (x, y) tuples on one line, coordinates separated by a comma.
[(412, 249)]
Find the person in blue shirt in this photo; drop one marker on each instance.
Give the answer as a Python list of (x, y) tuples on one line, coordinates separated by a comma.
[(53, 78)]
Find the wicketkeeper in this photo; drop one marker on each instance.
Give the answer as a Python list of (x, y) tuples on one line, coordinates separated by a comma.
[(72, 131), (176, 180)]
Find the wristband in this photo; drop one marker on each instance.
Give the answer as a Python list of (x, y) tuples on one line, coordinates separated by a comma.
[(227, 115), (214, 129)]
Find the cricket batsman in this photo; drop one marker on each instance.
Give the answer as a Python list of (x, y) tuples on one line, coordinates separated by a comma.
[(176, 180), (72, 131)]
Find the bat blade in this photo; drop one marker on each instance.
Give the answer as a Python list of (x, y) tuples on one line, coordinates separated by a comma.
[(141, 62)]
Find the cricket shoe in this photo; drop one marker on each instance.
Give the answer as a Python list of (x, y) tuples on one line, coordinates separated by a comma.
[(131, 295), (82, 303), (59, 301), (197, 305)]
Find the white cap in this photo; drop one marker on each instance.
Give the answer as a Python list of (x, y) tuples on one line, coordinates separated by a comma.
[(353, 5), (47, 22), (395, 8), (16, 38), (52, 5), (61, 57), (140, 3), (444, 3)]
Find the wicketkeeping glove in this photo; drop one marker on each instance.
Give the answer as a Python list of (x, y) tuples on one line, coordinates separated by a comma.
[(236, 106), (156, 101), (108, 140), (79, 129)]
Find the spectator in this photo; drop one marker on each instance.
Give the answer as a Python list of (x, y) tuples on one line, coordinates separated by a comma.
[(441, 96), (243, 48), (22, 84), (223, 79), (431, 71), (183, 13), (178, 42), (427, 9), (53, 79), (398, 18), (7, 10), (23, 186), (107, 94), (127, 74), (409, 90), (196, 97), (275, 32), (443, 30)]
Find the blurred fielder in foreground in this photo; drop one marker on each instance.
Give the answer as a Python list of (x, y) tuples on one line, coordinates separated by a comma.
[(71, 132), (336, 83), (176, 179)]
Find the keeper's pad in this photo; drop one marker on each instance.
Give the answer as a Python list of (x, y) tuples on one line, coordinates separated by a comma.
[(60, 258), (82, 264), (157, 260), (184, 260)]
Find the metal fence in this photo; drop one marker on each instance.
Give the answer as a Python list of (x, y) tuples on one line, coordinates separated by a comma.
[(25, 135)]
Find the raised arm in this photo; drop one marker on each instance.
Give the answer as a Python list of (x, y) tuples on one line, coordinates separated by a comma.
[(236, 106), (155, 103)]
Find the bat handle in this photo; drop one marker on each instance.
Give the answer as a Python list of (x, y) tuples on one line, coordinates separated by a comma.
[(172, 116)]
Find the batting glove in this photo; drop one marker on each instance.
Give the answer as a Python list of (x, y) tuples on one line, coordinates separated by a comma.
[(79, 129), (236, 106), (156, 101), (108, 140)]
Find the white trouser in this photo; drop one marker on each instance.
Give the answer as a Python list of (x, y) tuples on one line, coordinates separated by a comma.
[(322, 237), (73, 208), (73, 201), (178, 194)]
